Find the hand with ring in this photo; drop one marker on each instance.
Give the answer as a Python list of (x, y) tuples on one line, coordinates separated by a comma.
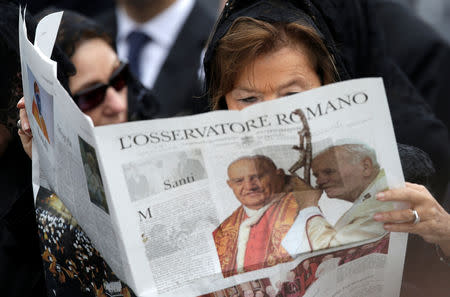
[(23, 125), (426, 217)]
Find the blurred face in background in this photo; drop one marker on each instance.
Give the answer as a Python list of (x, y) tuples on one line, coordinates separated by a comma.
[(95, 62)]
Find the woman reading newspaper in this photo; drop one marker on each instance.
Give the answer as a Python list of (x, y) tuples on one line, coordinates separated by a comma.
[(265, 49), (229, 89)]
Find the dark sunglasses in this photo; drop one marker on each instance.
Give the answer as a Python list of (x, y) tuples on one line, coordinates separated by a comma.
[(95, 95)]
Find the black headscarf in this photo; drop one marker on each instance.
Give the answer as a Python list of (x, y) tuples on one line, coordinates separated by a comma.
[(353, 37)]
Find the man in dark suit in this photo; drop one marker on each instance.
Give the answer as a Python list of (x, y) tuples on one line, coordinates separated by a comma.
[(163, 41)]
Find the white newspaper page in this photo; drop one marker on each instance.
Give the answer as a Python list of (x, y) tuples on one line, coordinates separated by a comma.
[(65, 157), (41, 120), (274, 200), (166, 208)]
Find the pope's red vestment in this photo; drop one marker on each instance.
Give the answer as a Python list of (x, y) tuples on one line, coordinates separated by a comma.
[(264, 247)]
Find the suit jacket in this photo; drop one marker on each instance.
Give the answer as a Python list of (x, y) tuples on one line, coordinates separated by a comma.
[(178, 89)]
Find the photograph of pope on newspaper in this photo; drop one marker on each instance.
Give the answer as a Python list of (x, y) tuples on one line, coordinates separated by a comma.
[(279, 215)]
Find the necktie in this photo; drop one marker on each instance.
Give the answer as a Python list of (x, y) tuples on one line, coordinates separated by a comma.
[(136, 42)]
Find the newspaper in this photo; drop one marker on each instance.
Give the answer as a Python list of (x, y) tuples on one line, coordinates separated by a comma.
[(225, 203)]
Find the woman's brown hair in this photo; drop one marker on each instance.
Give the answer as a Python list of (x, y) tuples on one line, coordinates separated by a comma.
[(249, 38)]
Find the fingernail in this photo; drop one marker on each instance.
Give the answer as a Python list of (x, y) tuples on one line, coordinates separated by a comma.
[(381, 196), (387, 226), (377, 217)]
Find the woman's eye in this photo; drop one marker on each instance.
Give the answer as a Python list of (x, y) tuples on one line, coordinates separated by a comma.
[(248, 100), (290, 93)]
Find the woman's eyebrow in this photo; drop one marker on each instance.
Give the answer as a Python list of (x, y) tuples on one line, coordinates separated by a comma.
[(244, 89), (294, 82), (89, 84)]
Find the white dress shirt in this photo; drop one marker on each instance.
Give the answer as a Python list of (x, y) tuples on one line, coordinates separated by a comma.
[(163, 30)]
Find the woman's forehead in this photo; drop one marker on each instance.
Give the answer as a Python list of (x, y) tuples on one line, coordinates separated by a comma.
[(95, 61), (281, 69)]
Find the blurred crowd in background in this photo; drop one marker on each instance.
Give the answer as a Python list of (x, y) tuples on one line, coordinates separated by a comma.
[(435, 12)]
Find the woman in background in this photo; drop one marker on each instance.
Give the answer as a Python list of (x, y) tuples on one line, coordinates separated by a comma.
[(101, 85)]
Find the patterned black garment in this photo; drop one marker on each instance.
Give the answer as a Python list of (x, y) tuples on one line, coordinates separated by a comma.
[(73, 267)]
